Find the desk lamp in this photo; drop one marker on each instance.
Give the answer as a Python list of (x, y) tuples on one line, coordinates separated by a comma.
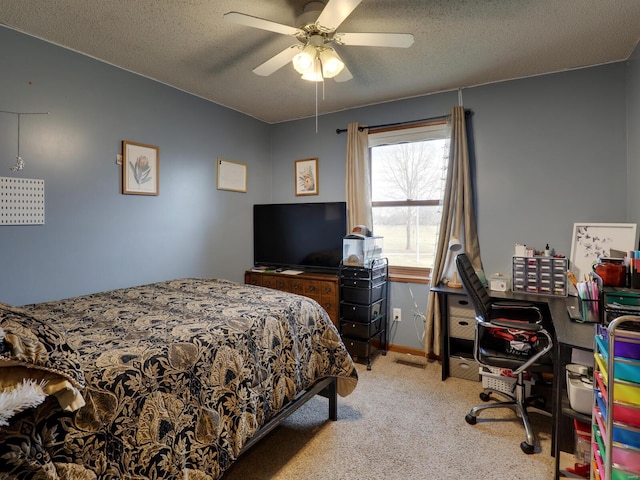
[(455, 246)]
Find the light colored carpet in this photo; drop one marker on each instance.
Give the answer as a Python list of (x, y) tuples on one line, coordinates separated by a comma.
[(401, 422)]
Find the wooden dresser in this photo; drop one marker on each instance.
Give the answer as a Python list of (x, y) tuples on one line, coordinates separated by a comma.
[(322, 287)]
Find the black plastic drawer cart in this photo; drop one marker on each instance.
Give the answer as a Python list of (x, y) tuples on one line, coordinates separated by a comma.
[(364, 309)]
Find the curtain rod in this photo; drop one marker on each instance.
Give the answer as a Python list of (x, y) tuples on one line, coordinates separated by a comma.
[(441, 117)]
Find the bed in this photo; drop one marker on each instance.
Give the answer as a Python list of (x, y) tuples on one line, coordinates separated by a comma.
[(169, 380)]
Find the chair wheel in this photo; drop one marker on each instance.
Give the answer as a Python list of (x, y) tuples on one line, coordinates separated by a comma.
[(526, 448), (485, 397), (471, 420), (537, 401)]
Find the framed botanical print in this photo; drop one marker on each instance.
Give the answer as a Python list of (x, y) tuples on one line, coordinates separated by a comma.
[(306, 172), (140, 169)]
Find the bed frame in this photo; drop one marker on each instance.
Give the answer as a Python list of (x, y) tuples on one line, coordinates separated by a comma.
[(326, 387)]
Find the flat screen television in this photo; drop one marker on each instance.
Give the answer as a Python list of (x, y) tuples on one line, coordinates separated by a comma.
[(306, 236)]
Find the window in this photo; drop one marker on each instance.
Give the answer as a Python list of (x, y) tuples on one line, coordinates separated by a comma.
[(408, 176)]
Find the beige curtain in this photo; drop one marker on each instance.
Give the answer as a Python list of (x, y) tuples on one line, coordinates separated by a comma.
[(457, 213), (358, 178)]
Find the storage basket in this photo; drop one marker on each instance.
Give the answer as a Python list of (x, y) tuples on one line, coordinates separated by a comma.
[(493, 378), (462, 327), (465, 368)]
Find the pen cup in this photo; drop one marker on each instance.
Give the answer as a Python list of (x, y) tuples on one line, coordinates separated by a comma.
[(590, 310)]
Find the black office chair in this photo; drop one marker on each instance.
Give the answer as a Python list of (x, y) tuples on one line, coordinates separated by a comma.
[(507, 336)]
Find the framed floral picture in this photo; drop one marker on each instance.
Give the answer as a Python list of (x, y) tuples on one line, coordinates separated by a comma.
[(306, 172), (140, 169)]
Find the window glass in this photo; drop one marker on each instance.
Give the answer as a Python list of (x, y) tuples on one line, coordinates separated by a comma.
[(408, 175)]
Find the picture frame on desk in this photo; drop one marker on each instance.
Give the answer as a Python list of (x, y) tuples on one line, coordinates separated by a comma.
[(593, 240)]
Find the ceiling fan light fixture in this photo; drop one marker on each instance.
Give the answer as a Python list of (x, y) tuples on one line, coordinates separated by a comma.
[(314, 74), (304, 61), (332, 65), (316, 30)]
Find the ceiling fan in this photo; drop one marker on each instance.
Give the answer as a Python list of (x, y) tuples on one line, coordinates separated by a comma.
[(313, 56)]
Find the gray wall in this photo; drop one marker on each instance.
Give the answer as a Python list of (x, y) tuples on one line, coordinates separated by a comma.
[(95, 238), (548, 151), (633, 136)]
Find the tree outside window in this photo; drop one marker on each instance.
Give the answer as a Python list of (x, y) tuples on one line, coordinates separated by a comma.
[(408, 181)]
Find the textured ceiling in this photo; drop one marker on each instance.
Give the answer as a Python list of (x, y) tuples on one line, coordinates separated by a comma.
[(458, 43)]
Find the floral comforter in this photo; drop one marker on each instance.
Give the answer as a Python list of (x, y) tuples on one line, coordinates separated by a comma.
[(175, 376)]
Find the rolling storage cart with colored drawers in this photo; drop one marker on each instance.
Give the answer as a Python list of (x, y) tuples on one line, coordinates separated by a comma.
[(616, 411), (363, 309)]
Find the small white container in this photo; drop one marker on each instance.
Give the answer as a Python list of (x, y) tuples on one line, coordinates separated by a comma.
[(580, 393), (499, 282)]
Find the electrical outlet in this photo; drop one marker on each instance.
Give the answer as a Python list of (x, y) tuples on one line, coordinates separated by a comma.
[(397, 314)]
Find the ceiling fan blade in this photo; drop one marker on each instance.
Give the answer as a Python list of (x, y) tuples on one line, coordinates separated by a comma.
[(399, 40), (277, 61), (343, 76), (335, 13), (255, 22)]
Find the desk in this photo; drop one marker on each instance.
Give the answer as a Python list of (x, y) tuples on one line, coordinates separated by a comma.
[(567, 336)]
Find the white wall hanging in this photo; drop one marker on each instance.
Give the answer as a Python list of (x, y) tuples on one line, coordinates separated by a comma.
[(21, 201)]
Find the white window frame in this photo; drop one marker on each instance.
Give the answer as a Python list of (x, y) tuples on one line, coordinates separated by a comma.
[(416, 132)]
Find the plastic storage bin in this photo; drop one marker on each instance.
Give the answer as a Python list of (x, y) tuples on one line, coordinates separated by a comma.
[(358, 294), (580, 393), (361, 252), (361, 313), (623, 391), (623, 454), (492, 377), (629, 371), (375, 273), (621, 413), (361, 330), (626, 345), (540, 275), (622, 434)]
